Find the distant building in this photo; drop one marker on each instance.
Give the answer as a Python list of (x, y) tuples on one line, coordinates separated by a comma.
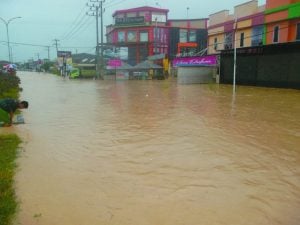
[(187, 36), (247, 20), (276, 22), (139, 33), (282, 19)]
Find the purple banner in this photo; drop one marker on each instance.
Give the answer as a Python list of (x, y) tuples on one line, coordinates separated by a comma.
[(114, 63), (210, 60)]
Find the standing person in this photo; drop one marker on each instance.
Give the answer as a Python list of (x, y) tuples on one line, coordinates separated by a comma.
[(8, 106), (166, 67)]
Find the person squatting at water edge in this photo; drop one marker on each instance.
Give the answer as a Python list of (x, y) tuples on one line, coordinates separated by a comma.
[(8, 106)]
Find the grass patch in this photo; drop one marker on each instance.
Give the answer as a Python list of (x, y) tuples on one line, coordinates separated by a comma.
[(8, 153)]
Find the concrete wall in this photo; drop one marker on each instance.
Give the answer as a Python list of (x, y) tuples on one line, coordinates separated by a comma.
[(246, 9), (283, 32), (211, 41), (218, 17), (195, 75), (270, 4)]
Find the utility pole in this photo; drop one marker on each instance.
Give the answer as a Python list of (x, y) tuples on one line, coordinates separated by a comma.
[(102, 49), (7, 34), (96, 8), (48, 49), (234, 55), (56, 44)]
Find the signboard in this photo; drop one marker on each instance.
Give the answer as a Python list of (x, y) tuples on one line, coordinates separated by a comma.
[(64, 58), (196, 61), (65, 54), (159, 18), (114, 63), (130, 20)]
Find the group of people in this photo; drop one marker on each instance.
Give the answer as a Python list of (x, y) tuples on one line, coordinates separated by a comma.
[(8, 107)]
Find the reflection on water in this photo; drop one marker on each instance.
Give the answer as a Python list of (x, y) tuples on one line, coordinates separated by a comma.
[(155, 153)]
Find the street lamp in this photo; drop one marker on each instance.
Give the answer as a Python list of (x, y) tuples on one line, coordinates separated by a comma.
[(6, 23)]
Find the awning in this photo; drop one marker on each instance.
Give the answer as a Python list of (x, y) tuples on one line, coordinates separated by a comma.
[(147, 65)]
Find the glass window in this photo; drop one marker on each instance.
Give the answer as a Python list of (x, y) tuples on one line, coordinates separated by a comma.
[(131, 36), (156, 34), (228, 40), (257, 35), (183, 35), (216, 44), (276, 34), (242, 37), (298, 32), (192, 36), (121, 36), (143, 36)]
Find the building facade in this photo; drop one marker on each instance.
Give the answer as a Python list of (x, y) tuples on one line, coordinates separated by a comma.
[(187, 37), (252, 25), (140, 32), (282, 21), (245, 26), (147, 31)]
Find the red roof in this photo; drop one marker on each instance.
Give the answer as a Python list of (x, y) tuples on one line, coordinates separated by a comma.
[(141, 9)]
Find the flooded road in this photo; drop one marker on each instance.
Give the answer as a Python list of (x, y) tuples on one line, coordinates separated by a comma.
[(157, 153)]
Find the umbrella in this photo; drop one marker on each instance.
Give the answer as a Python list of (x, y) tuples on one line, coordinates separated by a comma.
[(10, 66)]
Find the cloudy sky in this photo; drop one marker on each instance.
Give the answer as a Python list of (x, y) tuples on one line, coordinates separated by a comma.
[(45, 20)]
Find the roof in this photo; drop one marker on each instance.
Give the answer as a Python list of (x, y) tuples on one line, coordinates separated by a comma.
[(140, 9), (147, 65), (179, 20)]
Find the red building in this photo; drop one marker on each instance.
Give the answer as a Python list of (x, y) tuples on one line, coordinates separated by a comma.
[(139, 33)]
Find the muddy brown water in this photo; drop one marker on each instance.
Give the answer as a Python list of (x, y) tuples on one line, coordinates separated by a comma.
[(157, 153)]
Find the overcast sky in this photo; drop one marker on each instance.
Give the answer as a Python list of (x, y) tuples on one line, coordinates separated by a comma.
[(45, 20)]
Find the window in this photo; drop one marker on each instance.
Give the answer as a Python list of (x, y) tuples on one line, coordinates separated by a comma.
[(257, 35), (216, 44), (121, 36), (143, 36), (131, 36), (298, 32), (242, 39), (192, 36), (228, 40), (183, 36), (276, 34)]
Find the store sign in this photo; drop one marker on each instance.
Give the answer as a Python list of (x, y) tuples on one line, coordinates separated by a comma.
[(159, 18), (130, 20), (196, 61), (114, 63)]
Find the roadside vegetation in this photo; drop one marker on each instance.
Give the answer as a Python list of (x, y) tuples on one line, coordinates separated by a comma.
[(8, 153), (9, 88)]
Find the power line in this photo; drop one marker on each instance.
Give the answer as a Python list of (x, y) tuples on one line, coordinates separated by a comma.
[(247, 37), (56, 44), (83, 24), (44, 46), (114, 3), (75, 23)]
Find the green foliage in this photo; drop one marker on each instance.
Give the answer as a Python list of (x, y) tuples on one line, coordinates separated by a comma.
[(88, 73), (54, 70), (9, 86), (8, 154), (47, 65)]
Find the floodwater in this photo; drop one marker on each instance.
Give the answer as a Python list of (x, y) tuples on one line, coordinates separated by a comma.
[(157, 153)]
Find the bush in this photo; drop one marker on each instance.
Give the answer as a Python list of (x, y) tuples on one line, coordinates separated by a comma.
[(88, 73), (9, 86)]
